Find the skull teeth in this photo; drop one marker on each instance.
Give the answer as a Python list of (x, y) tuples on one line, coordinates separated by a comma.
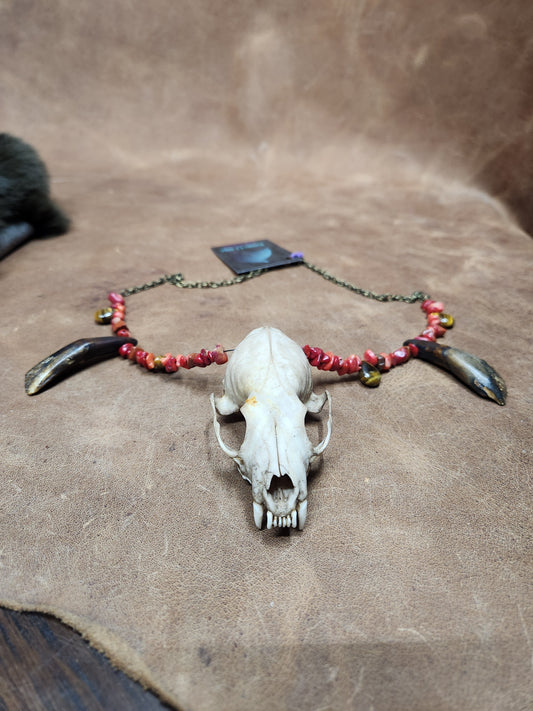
[(258, 514), (295, 519)]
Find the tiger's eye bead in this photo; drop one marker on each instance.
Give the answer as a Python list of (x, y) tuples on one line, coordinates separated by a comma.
[(103, 315), (370, 375), (446, 320), (386, 364), (158, 363)]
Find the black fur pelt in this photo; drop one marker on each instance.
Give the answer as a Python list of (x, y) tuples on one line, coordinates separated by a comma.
[(26, 208)]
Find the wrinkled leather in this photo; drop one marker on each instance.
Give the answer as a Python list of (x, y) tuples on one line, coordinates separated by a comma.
[(389, 142)]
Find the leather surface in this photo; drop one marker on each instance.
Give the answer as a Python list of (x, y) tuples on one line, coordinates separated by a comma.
[(391, 143)]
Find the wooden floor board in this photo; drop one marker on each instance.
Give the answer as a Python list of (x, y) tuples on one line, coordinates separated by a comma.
[(46, 666)]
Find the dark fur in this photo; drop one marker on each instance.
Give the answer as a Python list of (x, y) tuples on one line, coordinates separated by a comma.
[(25, 201)]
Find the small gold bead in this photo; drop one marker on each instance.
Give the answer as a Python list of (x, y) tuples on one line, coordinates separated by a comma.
[(103, 315), (446, 320)]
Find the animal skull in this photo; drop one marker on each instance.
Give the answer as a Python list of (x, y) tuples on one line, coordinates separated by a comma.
[(268, 379)]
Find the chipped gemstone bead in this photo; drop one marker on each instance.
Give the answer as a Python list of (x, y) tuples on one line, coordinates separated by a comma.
[(115, 298), (171, 366), (140, 356), (400, 355), (429, 334), (370, 375), (433, 319), (370, 357), (125, 349), (328, 362), (429, 306), (218, 356), (117, 325), (197, 359), (103, 315)]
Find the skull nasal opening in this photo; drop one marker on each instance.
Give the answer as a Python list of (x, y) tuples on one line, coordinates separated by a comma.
[(280, 487)]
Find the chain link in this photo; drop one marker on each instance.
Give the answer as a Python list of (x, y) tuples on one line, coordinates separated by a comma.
[(179, 280), (412, 298)]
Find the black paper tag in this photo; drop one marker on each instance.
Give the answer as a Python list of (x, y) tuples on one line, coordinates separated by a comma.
[(249, 256)]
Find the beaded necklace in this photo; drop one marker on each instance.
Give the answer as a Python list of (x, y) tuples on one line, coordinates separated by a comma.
[(369, 367)]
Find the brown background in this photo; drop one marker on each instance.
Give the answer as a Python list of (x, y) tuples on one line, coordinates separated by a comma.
[(392, 144)]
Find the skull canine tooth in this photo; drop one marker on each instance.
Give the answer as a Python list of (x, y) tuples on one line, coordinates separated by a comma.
[(302, 514), (258, 514)]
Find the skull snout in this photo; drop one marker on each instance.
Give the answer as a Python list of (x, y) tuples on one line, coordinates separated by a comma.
[(281, 495)]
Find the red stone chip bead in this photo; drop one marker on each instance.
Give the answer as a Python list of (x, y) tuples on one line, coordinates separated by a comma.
[(370, 357), (115, 298), (125, 349), (437, 323), (400, 356)]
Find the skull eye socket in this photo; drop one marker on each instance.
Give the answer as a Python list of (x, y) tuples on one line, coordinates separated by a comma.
[(281, 487)]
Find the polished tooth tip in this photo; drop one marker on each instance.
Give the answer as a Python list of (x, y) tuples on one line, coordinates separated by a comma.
[(302, 514), (258, 514), (269, 519)]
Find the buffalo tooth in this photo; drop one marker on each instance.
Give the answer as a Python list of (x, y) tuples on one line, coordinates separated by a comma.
[(258, 514), (302, 514), (269, 519), (294, 519)]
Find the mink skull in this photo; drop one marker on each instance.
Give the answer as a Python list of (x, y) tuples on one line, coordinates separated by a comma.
[(268, 379)]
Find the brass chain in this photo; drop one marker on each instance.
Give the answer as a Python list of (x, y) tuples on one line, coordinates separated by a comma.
[(179, 280)]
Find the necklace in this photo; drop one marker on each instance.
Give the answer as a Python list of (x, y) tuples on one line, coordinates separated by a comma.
[(474, 372), (370, 366)]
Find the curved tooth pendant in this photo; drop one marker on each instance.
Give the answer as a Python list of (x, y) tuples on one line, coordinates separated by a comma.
[(71, 358), (469, 369)]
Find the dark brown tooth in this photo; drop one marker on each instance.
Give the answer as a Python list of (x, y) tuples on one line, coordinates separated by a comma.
[(474, 372), (70, 359)]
